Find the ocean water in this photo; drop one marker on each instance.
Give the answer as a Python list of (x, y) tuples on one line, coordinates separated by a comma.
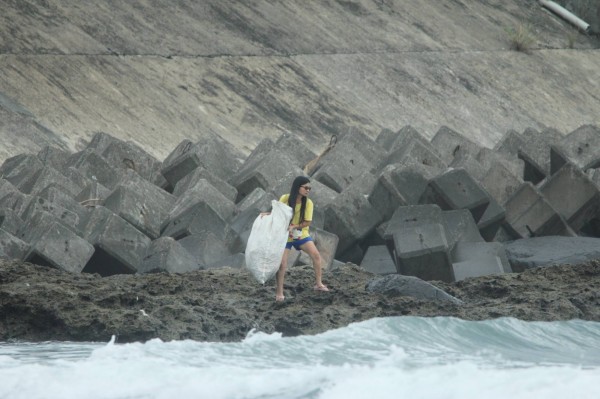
[(396, 357)]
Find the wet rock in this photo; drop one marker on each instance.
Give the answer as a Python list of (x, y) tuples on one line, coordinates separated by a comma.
[(551, 250), (39, 303), (396, 284)]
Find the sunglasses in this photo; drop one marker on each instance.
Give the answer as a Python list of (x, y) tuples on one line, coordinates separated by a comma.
[(307, 188)]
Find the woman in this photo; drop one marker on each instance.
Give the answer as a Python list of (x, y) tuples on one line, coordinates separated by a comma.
[(299, 236)]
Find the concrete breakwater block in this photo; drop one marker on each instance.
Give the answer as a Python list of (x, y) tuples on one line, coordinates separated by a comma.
[(583, 200), (40, 214), (264, 172), (205, 248), (16, 201), (500, 182), (180, 162), (129, 156), (399, 185), (141, 203), (392, 141), (194, 220), (493, 217), (451, 144), (423, 239), (141, 211), (341, 166), (55, 194), (353, 154), (167, 255), (377, 260), (409, 216), (11, 247), (422, 251), (119, 246), (459, 226), (537, 148), (296, 148), (489, 160), (46, 176), (94, 167), (39, 206), (19, 169), (211, 152), (456, 189), (385, 196), (191, 179), (35, 224), (92, 195), (126, 156), (58, 247), (474, 259), (469, 163), (6, 187), (201, 191), (351, 217), (513, 144), (580, 147), (477, 268), (292, 146), (89, 184), (10, 221), (529, 214), (54, 157), (533, 148), (473, 250), (414, 150), (118, 199)]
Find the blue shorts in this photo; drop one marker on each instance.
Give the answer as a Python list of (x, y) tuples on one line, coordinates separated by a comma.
[(297, 243)]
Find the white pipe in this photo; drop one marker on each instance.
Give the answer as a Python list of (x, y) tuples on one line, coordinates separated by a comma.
[(566, 14)]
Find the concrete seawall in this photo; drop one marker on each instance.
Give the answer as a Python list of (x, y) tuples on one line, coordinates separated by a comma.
[(157, 75)]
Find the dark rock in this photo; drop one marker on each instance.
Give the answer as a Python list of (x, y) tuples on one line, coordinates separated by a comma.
[(396, 284), (39, 303), (551, 250)]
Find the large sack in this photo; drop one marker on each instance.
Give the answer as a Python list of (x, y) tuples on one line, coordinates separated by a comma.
[(267, 242)]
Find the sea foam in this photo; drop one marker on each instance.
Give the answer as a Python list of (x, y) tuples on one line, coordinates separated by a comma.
[(381, 358)]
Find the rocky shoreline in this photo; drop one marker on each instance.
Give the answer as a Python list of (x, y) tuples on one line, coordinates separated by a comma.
[(39, 303)]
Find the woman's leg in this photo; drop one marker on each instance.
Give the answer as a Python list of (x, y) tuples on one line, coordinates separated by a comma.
[(280, 275), (311, 249)]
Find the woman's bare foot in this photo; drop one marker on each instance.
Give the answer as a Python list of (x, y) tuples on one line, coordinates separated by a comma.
[(320, 287), (279, 298)]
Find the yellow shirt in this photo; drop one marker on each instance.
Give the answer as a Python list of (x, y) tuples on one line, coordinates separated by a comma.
[(308, 214)]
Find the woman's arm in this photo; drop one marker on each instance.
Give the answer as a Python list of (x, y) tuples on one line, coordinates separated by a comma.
[(302, 225)]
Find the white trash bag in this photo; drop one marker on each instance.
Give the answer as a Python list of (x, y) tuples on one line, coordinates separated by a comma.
[(267, 242)]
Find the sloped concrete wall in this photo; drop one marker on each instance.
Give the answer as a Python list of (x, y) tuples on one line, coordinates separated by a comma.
[(159, 74), (588, 10)]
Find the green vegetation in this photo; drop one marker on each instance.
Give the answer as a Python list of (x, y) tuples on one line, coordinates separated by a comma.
[(571, 39), (521, 38)]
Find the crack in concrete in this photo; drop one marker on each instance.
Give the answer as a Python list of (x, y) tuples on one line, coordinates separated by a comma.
[(288, 55)]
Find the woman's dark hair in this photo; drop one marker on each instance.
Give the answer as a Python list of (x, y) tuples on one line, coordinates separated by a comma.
[(298, 181)]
